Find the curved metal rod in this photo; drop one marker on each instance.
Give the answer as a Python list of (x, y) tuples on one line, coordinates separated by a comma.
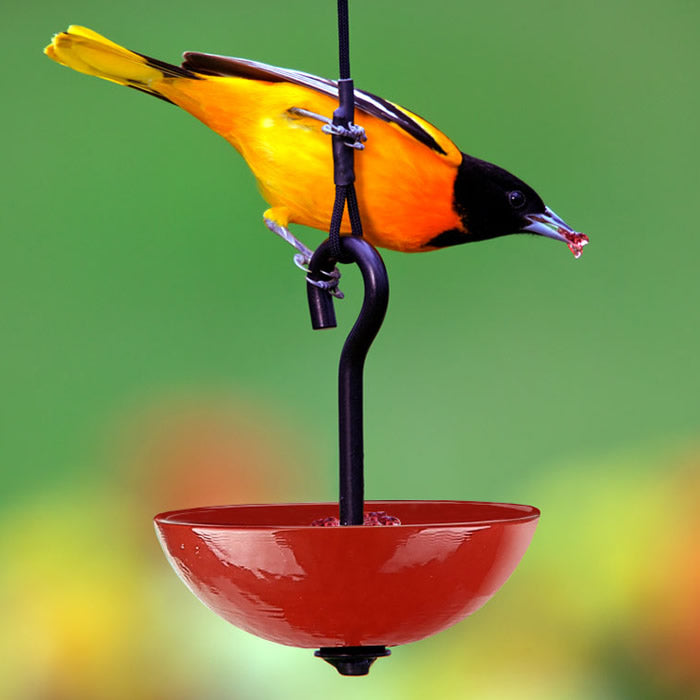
[(352, 359)]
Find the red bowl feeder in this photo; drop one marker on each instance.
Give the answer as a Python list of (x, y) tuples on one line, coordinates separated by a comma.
[(352, 590), (265, 569)]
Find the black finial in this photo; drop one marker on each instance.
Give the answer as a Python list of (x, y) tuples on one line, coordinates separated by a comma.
[(352, 661)]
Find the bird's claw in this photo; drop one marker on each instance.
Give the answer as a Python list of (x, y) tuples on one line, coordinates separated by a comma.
[(302, 262), (353, 135), (331, 285)]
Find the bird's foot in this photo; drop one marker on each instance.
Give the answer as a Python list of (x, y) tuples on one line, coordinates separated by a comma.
[(303, 258), (353, 135), (330, 285)]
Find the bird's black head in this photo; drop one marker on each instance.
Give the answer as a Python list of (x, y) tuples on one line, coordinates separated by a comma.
[(491, 202)]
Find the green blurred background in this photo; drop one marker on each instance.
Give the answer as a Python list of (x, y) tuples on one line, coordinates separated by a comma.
[(156, 350)]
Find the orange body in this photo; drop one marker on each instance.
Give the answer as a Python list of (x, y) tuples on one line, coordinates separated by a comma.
[(404, 189)]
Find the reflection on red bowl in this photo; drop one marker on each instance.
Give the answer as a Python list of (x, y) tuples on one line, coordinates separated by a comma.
[(264, 569)]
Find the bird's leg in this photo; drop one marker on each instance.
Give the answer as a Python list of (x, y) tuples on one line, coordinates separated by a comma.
[(272, 219), (276, 219)]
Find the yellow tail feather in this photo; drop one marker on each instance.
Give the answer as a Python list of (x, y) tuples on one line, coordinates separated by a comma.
[(89, 52)]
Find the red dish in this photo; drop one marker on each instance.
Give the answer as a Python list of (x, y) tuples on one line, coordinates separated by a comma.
[(266, 570)]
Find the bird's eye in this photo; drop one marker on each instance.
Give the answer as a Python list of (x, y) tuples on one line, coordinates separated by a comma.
[(517, 199)]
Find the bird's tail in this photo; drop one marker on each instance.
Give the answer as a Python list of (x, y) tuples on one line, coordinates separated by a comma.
[(89, 52)]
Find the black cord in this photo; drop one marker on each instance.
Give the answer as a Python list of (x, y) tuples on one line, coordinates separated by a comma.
[(336, 220), (343, 155), (344, 194), (344, 39), (354, 211)]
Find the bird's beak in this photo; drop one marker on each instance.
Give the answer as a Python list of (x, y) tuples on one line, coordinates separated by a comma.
[(553, 226)]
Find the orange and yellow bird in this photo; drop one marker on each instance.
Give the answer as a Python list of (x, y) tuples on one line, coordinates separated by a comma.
[(416, 190)]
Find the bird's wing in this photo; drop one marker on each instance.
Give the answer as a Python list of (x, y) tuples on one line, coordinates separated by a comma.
[(211, 64)]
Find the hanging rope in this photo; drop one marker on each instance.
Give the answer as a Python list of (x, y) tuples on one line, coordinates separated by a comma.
[(344, 39), (344, 141)]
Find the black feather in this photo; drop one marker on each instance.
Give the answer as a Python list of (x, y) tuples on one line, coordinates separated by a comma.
[(211, 64), (168, 68)]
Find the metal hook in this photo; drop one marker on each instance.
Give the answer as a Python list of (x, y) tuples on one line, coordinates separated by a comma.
[(352, 358)]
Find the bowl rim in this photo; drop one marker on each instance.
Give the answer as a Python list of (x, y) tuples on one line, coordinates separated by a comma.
[(186, 517)]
